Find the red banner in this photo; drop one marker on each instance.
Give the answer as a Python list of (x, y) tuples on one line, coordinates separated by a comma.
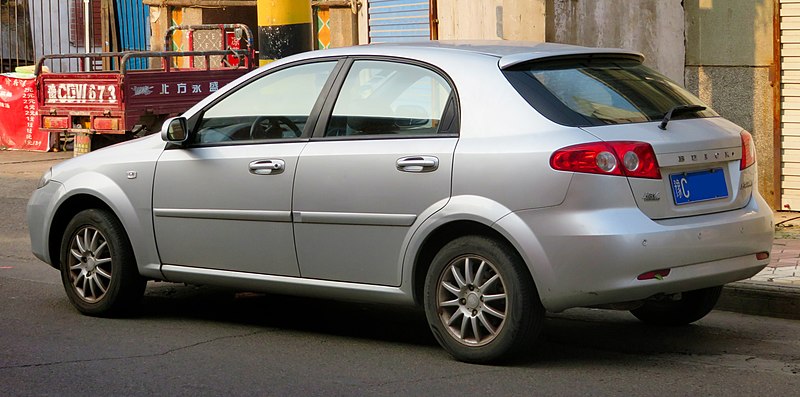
[(19, 121)]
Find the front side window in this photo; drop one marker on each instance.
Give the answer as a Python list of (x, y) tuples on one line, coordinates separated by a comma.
[(601, 91), (389, 98), (276, 106)]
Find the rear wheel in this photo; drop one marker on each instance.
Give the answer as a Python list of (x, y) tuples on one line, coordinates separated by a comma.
[(98, 268), (480, 301), (691, 306)]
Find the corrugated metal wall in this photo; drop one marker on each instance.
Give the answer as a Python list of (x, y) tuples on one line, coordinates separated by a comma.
[(790, 104), (16, 44), (399, 20), (30, 29), (134, 29), (134, 25)]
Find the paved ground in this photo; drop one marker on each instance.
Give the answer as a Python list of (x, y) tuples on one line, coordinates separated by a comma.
[(19, 172), (785, 265), (198, 341)]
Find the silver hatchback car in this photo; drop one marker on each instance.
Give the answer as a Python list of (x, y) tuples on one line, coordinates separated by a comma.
[(486, 182)]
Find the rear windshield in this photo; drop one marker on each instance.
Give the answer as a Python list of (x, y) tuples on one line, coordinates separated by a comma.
[(590, 92)]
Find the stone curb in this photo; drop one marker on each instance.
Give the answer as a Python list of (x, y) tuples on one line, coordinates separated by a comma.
[(761, 299)]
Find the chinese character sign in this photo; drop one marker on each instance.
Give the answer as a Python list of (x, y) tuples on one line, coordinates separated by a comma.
[(19, 115), (175, 88)]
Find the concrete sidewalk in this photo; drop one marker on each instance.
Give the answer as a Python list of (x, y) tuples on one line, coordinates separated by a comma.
[(774, 292)]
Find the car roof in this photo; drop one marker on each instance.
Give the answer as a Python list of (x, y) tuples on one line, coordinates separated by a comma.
[(509, 53)]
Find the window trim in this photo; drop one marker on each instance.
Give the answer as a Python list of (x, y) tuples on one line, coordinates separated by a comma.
[(194, 121), (450, 111)]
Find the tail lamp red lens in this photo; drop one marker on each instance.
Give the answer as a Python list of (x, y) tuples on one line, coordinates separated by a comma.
[(748, 150), (55, 122), (106, 123), (655, 274), (622, 158)]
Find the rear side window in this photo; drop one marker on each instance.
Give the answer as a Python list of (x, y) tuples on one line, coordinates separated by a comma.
[(390, 98), (591, 92)]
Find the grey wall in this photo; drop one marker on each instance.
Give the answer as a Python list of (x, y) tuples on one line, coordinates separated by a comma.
[(491, 19), (653, 27), (721, 50), (729, 53)]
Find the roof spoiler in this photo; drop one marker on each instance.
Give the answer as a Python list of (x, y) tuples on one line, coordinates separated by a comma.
[(509, 61)]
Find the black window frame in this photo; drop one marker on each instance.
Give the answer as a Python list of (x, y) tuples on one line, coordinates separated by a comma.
[(450, 123)]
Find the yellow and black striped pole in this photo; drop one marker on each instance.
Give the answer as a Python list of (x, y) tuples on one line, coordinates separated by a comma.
[(284, 28)]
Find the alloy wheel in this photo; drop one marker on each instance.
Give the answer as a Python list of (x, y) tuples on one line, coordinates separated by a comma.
[(471, 300), (89, 263)]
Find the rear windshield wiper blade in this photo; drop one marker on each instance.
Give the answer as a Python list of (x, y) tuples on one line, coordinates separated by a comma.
[(676, 110)]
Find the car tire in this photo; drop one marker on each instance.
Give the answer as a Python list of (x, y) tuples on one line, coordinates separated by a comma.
[(692, 306), (98, 268), (481, 302)]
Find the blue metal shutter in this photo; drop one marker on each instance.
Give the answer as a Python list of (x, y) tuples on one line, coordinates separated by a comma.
[(399, 20), (133, 19)]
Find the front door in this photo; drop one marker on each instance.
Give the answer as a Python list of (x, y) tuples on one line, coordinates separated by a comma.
[(224, 200)]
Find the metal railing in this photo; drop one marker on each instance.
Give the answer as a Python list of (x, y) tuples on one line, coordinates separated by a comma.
[(119, 60)]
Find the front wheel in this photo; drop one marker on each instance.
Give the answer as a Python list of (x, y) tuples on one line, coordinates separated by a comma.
[(691, 306), (98, 268), (480, 301)]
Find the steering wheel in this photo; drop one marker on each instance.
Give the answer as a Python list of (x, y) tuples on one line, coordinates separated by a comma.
[(272, 129)]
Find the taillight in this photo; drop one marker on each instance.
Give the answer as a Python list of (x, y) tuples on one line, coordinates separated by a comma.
[(748, 150), (622, 158), (593, 158), (106, 123), (638, 159), (55, 122)]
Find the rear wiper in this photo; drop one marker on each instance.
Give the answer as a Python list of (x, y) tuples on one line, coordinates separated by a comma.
[(676, 110)]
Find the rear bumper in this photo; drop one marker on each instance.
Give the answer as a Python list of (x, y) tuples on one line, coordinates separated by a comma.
[(593, 257)]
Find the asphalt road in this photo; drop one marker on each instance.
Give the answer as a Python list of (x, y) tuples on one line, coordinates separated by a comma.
[(189, 340)]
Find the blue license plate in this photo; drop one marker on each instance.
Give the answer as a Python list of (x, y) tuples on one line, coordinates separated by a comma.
[(691, 187)]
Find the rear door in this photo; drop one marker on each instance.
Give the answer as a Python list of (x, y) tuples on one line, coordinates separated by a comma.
[(381, 161)]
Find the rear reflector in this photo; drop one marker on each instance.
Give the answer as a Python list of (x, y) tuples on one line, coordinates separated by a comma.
[(622, 158), (655, 274), (55, 122), (106, 123), (762, 255)]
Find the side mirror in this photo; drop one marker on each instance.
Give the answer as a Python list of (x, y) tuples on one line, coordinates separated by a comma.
[(175, 131)]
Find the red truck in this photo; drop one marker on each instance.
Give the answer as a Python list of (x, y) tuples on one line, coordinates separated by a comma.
[(119, 102)]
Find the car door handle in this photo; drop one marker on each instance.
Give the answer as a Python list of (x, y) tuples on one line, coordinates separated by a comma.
[(267, 167), (418, 164)]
